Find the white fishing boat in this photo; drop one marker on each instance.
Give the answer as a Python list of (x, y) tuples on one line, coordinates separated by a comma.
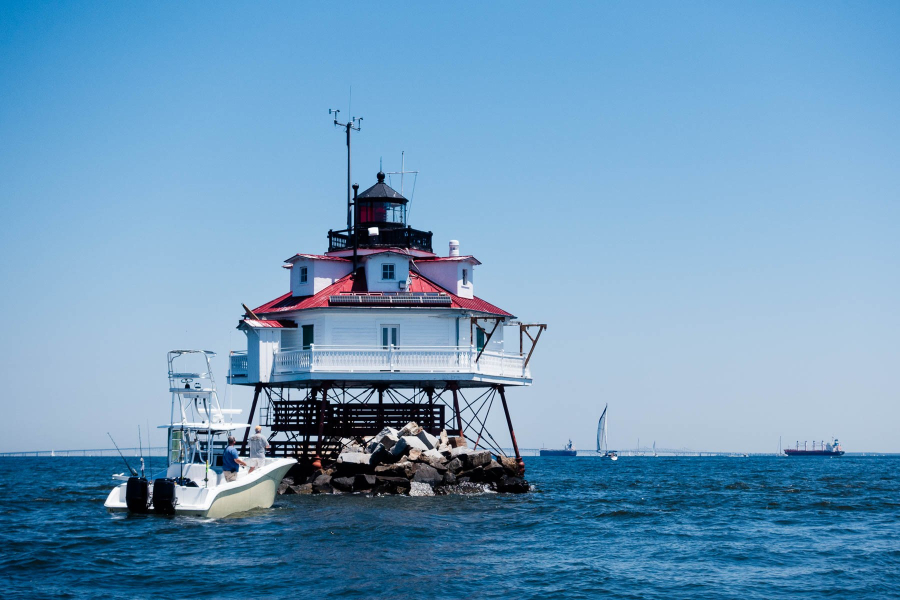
[(602, 444), (197, 432)]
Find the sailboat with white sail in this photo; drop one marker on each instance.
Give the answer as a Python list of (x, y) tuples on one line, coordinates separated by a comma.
[(602, 441)]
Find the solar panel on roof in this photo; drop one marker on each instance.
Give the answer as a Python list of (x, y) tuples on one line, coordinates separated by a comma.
[(392, 299)]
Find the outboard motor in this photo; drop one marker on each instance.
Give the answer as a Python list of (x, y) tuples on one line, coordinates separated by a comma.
[(137, 495), (164, 496)]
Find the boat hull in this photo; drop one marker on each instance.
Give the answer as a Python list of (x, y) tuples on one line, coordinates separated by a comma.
[(559, 453), (249, 491), (791, 452)]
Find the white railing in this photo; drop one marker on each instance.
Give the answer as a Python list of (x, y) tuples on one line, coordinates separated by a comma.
[(239, 366), (448, 359)]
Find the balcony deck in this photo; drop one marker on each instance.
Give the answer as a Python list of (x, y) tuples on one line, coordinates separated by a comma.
[(412, 365), (400, 237)]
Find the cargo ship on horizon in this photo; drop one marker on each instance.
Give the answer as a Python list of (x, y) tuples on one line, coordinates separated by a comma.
[(569, 450), (832, 449)]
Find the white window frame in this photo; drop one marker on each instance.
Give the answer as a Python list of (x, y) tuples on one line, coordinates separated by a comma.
[(381, 329), (465, 276), (393, 269), (304, 275)]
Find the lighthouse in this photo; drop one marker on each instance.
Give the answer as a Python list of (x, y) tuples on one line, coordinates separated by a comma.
[(378, 331)]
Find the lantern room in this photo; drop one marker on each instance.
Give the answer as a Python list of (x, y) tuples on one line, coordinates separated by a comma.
[(380, 206), (379, 221)]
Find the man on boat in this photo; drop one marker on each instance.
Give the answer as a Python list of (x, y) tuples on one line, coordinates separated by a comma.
[(230, 461), (258, 447)]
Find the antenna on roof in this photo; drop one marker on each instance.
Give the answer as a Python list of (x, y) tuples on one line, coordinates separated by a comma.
[(401, 173), (353, 124)]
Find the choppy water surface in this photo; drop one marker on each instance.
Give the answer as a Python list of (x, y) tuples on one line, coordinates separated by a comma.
[(639, 528)]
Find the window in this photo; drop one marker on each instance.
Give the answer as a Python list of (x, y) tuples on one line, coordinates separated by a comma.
[(382, 212), (387, 272), (308, 336), (465, 277), (479, 339), (389, 335), (303, 274)]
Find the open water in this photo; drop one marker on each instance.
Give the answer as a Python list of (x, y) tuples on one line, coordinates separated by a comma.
[(638, 528)]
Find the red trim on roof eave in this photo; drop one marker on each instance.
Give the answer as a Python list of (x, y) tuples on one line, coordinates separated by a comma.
[(265, 324), (316, 257), (469, 259)]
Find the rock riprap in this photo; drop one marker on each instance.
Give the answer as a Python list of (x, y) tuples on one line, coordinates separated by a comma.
[(411, 461)]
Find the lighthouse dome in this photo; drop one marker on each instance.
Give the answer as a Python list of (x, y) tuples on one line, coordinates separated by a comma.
[(381, 191)]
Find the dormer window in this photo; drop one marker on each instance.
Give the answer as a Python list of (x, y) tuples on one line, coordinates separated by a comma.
[(304, 274), (465, 277), (387, 272)]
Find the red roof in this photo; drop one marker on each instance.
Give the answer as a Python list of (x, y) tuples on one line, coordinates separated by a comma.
[(356, 282)]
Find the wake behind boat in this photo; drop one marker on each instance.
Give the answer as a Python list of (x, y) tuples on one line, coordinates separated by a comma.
[(190, 485), (602, 443)]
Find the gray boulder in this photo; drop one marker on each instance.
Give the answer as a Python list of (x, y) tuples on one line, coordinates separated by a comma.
[(494, 471), (303, 488), (387, 437), (344, 484), (354, 458), (363, 482), (322, 484), (426, 438), (411, 428), (380, 454), (391, 485), (510, 465), (457, 442), (480, 459), (476, 474), (393, 470), (286, 482), (427, 474), (460, 451), (512, 485)]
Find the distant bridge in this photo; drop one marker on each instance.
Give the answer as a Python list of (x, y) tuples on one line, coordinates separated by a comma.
[(128, 452), (649, 451), (160, 451)]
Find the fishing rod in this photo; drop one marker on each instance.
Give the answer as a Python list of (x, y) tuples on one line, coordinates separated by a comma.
[(141, 449), (149, 452), (130, 470)]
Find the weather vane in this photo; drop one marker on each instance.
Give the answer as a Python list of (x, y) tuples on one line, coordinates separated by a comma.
[(352, 125)]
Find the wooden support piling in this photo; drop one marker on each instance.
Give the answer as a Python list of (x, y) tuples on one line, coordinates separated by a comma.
[(317, 459), (512, 434), (459, 425), (256, 390)]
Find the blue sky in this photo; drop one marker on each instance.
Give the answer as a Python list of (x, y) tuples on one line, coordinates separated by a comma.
[(700, 199)]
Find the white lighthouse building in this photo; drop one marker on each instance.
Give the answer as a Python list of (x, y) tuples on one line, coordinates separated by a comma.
[(379, 331)]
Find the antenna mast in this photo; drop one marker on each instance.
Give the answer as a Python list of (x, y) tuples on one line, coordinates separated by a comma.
[(352, 125), (401, 173)]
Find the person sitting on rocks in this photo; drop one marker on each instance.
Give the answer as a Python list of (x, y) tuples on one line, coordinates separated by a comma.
[(230, 461)]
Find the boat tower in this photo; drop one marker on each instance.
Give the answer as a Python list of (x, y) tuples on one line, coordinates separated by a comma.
[(379, 331)]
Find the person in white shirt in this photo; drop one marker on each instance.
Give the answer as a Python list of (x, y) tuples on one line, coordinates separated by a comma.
[(258, 447)]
